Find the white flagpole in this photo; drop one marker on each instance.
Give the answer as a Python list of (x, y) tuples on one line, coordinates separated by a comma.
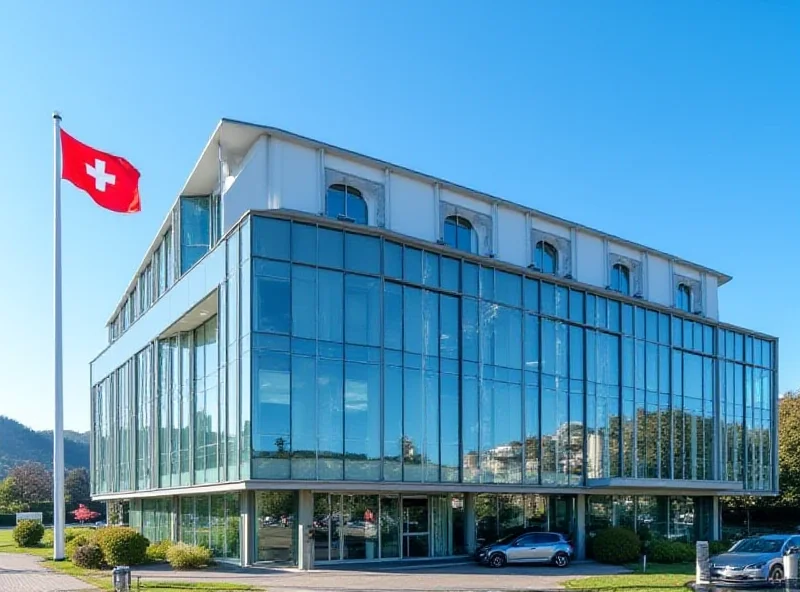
[(58, 431)]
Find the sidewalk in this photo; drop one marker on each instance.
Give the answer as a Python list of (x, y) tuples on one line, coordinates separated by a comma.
[(24, 573), (462, 577)]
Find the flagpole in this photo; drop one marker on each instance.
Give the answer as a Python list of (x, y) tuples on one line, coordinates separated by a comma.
[(58, 431)]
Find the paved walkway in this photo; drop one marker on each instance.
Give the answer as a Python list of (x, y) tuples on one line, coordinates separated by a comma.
[(24, 573), (461, 577)]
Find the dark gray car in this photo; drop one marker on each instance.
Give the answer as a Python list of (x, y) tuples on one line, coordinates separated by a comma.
[(531, 547), (755, 559)]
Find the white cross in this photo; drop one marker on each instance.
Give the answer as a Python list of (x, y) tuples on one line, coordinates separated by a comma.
[(101, 177)]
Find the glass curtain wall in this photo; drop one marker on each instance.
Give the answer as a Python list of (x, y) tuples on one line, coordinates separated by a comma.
[(173, 414), (375, 361)]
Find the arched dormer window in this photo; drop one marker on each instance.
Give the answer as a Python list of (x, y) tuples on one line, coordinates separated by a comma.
[(683, 298), (621, 279), (459, 234), (346, 203), (545, 257)]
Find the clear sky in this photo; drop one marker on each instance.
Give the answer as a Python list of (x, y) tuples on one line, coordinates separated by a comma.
[(675, 124)]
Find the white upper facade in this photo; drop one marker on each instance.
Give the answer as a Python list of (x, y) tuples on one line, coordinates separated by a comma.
[(265, 168)]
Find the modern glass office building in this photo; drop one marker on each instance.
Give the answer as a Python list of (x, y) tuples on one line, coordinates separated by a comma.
[(407, 367)]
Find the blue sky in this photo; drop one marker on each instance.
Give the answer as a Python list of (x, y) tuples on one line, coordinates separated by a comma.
[(674, 124)]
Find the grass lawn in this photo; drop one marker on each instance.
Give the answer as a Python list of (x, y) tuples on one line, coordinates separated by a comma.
[(657, 579), (8, 545), (102, 579)]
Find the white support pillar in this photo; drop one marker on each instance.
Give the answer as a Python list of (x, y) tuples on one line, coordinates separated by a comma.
[(305, 525), (470, 542), (248, 528), (580, 527)]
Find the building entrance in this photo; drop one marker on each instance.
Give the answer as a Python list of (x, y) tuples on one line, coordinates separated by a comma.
[(416, 527)]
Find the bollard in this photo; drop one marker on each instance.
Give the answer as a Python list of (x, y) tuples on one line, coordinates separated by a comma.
[(790, 567), (703, 566), (121, 578)]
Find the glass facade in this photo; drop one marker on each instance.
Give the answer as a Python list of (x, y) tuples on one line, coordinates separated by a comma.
[(199, 219), (377, 361), (173, 414), (371, 360), (310, 352)]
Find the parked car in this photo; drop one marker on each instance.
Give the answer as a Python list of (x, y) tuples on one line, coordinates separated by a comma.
[(529, 547), (754, 559)]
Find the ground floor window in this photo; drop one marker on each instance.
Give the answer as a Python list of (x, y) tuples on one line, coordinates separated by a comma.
[(212, 521), (157, 519), (681, 518), (498, 515), (387, 526), (276, 536)]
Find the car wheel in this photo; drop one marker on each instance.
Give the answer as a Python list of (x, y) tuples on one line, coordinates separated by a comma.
[(497, 560), (561, 559), (776, 574)]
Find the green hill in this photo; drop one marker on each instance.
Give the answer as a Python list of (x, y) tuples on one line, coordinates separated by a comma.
[(19, 444)]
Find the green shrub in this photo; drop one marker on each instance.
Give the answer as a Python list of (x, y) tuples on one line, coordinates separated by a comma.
[(718, 547), (183, 556), (157, 552), (88, 556), (78, 540), (122, 545), (28, 533), (47, 539), (71, 533), (663, 551), (616, 546)]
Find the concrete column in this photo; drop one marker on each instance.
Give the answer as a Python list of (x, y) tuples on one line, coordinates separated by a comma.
[(716, 520), (305, 519), (248, 527), (580, 528), (470, 541), (175, 531)]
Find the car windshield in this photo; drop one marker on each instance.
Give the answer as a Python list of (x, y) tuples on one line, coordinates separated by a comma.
[(506, 539), (758, 546)]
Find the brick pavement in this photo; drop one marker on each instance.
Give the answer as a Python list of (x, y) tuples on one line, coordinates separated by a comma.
[(24, 573)]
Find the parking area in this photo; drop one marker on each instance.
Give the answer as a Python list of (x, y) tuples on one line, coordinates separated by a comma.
[(455, 576)]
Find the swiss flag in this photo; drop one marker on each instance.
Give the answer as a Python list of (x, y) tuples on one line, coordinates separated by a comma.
[(111, 181)]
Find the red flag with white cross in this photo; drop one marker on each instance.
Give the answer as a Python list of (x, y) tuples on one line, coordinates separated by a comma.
[(111, 181)]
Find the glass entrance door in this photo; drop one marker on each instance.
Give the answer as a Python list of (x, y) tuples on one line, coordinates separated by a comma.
[(562, 514), (415, 527)]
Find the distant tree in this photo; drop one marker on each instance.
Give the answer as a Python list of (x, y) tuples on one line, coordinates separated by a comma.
[(84, 514), (32, 483), (789, 449), (76, 486), (9, 497)]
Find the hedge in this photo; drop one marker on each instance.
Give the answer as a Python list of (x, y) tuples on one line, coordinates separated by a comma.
[(616, 546), (122, 545), (183, 556)]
